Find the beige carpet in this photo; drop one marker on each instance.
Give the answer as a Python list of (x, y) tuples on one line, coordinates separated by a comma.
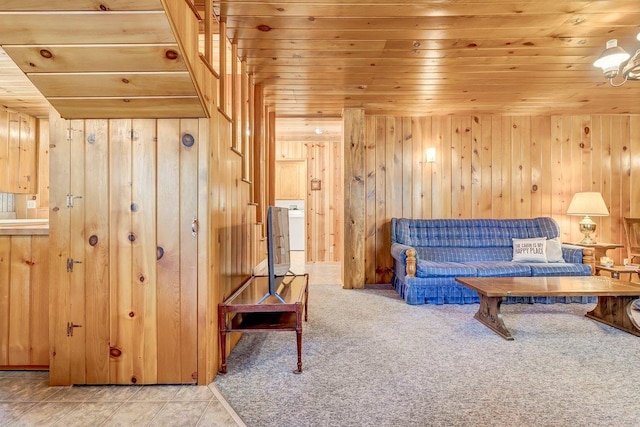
[(371, 359)]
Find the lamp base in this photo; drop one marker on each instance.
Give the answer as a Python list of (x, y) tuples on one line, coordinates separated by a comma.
[(587, 226), (587, 240)]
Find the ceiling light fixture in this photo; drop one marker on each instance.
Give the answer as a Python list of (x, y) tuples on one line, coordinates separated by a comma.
[(615, 60)]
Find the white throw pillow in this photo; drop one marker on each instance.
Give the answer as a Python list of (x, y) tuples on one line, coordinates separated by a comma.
[(554, 250), (530, 250)]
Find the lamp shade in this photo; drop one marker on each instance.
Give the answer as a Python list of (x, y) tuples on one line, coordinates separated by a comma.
[(611, 58), (588, 203)]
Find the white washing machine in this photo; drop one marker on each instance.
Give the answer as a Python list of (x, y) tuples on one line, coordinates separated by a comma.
[(296, 223), (296, 230)]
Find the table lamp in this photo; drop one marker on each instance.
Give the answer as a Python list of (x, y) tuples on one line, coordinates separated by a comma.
[(587, 204)]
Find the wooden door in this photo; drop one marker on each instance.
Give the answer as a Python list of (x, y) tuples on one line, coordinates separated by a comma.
[(123, 228)]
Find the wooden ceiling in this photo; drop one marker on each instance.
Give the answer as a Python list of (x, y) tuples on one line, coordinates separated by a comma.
[(434, 57), (112, 58), (98, 59)]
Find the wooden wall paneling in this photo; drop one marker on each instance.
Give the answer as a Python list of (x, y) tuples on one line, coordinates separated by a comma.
[(531, 166), (4, 150), (611, 225), (189, 251), (634, 184), (143, 274), (13, 165), (395, 166), (496, 142), (168, 241), (337, 201), (541, 177), (59, 224), (353, 261), (555, 177), (258, 149), (426, 198), (207, 291), (77, 298), (466, 164), (95, 203), (623, 194), (475, 183), (19, 328), (123, 327), (28, 166), (507, 167), (456, 167), (607, 164), (516, 139), (370, 200), (43, 166), (418, 165), (405, 164), (574, 156), (321, 216), (383, 178), (525, 167), (5, 286), (483, 135), (446, 130), (39, 302), (227, 182)]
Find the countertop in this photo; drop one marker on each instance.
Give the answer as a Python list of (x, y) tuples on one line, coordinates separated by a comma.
[(24, 227)]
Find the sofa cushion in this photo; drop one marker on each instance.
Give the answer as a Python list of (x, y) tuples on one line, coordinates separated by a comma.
[(470, 233), (465, 254), (444, 269), (554, 250), (500, 269), (559, 269), (530, 250)]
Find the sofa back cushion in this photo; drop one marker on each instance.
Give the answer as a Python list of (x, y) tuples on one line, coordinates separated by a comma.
[(470, 233)]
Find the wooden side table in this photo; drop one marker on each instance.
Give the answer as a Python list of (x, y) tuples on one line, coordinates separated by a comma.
[(616, 271), (600, 249)]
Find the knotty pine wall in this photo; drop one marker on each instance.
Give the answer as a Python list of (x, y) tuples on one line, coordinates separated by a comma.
[(149, 315), (491, 167), (323, 208)]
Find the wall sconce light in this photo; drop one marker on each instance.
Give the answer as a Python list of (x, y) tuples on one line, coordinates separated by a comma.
[(431, 155)]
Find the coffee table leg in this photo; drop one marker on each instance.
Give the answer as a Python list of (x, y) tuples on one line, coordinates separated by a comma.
[(616, 312), (489, 314)]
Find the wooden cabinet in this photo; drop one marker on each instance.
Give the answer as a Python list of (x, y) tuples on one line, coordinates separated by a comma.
[(24, 301), (290, 179), (18, 152)]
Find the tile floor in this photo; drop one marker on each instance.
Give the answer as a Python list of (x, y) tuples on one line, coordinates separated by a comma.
[(27, 400)]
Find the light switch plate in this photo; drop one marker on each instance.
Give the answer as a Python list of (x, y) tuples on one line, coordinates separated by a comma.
[(31, 204)]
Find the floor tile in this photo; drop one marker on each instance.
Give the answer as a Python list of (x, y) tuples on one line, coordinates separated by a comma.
[(134, 413), (89, 414), (178, 413)]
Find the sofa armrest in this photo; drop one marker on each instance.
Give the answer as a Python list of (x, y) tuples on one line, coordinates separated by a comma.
[(407, 256), (579, 254)]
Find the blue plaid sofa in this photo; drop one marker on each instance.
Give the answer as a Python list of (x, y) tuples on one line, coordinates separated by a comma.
[(450, 248)]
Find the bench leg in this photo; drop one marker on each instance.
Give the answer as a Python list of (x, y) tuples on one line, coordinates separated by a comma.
[(489, 314), (616, 312)]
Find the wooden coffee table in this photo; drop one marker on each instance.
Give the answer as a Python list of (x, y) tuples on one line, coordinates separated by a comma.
[(614, 297)]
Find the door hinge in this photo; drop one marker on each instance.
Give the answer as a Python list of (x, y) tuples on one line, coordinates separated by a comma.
[(71, 198), (70, 262), (70, 326), (194, 227)]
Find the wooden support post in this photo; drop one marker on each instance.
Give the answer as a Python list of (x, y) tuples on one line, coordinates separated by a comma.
[(354, 199)]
